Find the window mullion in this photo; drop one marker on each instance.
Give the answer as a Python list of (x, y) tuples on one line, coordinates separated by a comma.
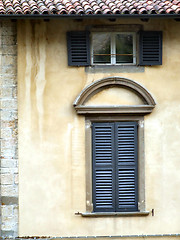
[(134, 48), (113, 48)]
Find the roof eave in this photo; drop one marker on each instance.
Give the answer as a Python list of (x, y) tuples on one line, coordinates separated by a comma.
[(90, 16)]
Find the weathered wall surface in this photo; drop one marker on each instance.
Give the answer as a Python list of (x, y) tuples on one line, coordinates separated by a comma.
[(8, 121), (51, 135)]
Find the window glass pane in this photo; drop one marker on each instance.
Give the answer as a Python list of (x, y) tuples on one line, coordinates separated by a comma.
[(124, 47), (101, 48)]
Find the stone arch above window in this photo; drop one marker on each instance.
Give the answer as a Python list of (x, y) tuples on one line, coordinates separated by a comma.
[(144, 106)]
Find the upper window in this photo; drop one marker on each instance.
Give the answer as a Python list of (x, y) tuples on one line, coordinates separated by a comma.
[(113, 48)]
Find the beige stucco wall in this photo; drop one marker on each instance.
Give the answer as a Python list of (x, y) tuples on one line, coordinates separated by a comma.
[(51, 135)]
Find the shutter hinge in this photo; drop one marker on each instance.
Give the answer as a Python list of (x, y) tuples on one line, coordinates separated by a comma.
[(88, 124), (141, 205), (141, 124)]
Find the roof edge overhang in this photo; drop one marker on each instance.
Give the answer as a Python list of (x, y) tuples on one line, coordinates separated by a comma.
[(89, 16)]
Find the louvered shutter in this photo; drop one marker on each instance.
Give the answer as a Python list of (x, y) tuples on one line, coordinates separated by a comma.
[(103, 167), (126, 167), (150, 48), (78, 48)]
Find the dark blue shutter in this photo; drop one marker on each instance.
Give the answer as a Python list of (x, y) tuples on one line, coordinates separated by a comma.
[(126, 167), (115, 167), (150, 48), (78, 48), (103, 167)]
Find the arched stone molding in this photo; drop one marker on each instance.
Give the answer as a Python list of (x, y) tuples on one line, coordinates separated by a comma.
[(97, 86)]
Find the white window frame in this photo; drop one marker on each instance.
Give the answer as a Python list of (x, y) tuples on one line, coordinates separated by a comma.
[(113, 48)]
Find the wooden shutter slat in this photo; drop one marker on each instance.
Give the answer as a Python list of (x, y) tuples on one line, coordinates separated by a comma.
[(150, 47), (126, 166), (78, 48), (103, 167)]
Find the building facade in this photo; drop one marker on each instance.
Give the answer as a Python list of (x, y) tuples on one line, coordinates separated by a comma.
[(89, 148)]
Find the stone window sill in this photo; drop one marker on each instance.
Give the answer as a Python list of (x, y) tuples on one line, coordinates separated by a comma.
[(114, 214), (114, 69)]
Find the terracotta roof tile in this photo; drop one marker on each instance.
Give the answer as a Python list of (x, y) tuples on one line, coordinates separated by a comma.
[(93, 7)]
